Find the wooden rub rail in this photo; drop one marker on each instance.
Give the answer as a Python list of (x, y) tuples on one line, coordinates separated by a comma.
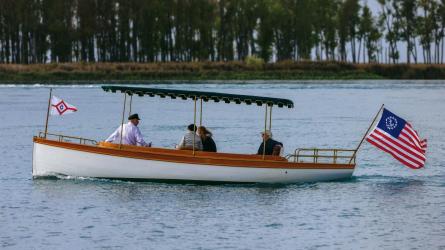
[(316, 155), (65, 138)]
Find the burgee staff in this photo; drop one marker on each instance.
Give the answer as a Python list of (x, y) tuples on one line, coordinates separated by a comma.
[(57, 106), (47, 113)]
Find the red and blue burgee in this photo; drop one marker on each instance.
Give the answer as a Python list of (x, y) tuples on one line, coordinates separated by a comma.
[(396, 136), (60, 107)]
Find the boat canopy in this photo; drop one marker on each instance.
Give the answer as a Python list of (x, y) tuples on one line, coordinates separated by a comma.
[(205, 96)]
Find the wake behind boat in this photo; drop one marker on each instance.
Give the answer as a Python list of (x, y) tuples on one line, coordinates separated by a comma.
[(55, 155)]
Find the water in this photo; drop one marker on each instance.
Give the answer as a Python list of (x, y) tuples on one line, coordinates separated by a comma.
[(384, 206)]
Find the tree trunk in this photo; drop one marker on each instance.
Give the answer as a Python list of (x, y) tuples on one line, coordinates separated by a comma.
[(443, 42), (408, 50), (353, 50)]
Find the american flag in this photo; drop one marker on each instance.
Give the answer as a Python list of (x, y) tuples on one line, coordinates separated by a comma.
[(397, 137)]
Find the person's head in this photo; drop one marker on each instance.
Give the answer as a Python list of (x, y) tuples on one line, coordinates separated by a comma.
[(192, 127), (204, 132), (266, 134), (134, 118)]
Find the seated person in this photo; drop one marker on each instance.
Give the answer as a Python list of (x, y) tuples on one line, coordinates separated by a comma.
[(272, 147), (208, 144), (187, 140), (131, 135)]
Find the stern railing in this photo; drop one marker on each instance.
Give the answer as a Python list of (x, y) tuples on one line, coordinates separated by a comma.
[(317, 155), (66, 138)]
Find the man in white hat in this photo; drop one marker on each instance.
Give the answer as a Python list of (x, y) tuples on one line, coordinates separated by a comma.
[(131, 134), (272, 147)]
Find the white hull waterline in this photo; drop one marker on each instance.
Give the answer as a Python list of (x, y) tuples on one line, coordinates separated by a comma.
[(53, 160)]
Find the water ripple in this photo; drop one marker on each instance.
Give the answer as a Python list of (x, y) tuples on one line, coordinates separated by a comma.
[(384, 206)]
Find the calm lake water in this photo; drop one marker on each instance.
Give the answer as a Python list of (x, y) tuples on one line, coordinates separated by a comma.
[(384, 206)]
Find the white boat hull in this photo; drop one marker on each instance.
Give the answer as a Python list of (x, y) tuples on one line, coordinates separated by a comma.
[(49, 160)]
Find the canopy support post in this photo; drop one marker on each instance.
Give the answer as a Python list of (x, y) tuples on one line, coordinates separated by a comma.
[(122, 123), (194, 125), (364, 136), (200, 115), (131, 101), (47, 112), (264, 139), (270, 118)]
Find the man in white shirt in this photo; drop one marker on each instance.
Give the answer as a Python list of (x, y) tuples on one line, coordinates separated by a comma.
[(131, 134)]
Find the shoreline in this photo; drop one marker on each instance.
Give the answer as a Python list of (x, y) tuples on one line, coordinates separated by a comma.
[(148, 83), (193, 71)]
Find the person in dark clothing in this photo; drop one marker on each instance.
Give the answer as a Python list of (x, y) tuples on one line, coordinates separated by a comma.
[(272, 147), (208, 144)]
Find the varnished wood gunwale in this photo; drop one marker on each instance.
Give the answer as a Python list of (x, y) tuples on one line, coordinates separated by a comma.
[(202, 158), (190, 152)]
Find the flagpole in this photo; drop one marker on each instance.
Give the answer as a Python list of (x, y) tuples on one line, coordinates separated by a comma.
[(47, 112), (367, 131)]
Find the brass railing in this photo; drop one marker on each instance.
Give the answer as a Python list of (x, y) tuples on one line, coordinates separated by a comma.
[(316, 155), (66, 138)]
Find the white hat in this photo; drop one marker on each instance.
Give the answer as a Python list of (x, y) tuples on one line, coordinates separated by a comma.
[(267, 132)]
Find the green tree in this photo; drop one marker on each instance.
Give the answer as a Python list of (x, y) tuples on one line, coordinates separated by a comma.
[(364, 28), (283, 29), (224, 24), (86, 18), (348, 24), (325, 26), (147, 29), (428, 28), (10, 29), (406, 19), (206, 26), (265, 29), (392, 28), (123, 30), (441, 17), (437, 31), (368, 31), (304, 24), (58, 16), (244, 24)]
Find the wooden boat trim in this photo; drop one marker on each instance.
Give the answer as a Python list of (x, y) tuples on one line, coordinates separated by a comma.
[(202, 158), (189, 153)]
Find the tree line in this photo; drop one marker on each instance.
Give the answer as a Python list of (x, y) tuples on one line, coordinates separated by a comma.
[(42, 31)]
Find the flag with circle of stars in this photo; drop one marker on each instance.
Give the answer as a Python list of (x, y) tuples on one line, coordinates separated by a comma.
[(397, 137)]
